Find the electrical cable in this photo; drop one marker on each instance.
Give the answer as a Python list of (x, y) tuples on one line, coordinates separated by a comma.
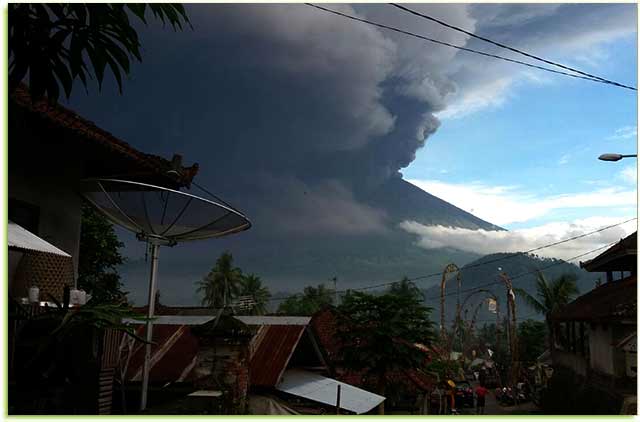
[(492, 261), (524, 53), (470, 50)]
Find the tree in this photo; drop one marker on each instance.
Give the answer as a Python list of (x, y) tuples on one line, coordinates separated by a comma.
[(379, 333), (311, 301), (51, 43), (550, 296), (252, 286), (406, 288), (222, 284), (531, 336), (99, 257)]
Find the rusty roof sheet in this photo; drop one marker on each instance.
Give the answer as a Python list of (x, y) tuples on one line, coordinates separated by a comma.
[(65, 118), (173, 354), (616, 300), (272, 355)]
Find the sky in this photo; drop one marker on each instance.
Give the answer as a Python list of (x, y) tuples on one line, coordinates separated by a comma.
[(295, 115)]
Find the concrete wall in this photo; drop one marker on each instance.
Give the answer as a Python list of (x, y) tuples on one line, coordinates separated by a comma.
[(575, 362), (601, 349), (45, 174)]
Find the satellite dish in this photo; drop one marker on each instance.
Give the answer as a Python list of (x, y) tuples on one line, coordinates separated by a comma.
[(160, 216)]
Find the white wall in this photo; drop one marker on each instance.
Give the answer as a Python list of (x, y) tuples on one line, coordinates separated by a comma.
[(601, 348)]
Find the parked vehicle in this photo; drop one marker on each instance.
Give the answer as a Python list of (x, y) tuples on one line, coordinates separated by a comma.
[(464, 394)]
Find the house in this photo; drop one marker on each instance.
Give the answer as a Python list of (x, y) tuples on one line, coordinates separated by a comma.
[(595, 335), (267, 364), (51, 149)]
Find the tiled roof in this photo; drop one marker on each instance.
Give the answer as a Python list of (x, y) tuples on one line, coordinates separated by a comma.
[(62, 117), (272, 355), (619, 257), (616, 300)]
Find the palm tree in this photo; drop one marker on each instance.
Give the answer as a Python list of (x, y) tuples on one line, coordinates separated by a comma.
[(222, 284), (550, 295), (252, 286)]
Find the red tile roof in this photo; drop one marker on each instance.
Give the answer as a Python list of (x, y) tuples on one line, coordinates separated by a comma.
[(616, 300), (87, 131), (272, 355)]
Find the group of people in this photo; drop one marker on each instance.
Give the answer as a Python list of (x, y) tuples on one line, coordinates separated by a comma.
[(447, 393)]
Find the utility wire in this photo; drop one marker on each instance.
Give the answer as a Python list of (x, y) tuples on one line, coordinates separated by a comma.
[(479, 264), (524, 53), (560, 262), (459, 47)]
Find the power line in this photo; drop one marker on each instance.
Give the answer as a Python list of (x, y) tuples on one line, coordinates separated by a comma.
[(459, 47), (524, 53), (560, 262), (510, 256)]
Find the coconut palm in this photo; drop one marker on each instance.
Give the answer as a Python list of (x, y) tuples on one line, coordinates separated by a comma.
[(222, 284), (252, 286), (550, 295)]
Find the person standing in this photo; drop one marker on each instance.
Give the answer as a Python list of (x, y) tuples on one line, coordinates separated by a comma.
[(481, 393)]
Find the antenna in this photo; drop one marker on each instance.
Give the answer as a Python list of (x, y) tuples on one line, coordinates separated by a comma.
[(160, 217)]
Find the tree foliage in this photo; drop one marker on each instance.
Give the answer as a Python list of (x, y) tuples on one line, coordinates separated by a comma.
[(309, 302), (406, 288), (54, 43), (252, 286), (531, 336), (550, 295), (99, 257), (379, 333), (222, 284)]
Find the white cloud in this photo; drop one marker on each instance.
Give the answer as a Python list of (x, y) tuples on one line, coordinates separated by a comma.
[(489, 96), (564, 159), (629, 175), (503, 205), (625, 132), (487, 242)]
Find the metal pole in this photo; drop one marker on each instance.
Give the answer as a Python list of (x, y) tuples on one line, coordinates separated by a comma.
[(155, 248), (338, 401)]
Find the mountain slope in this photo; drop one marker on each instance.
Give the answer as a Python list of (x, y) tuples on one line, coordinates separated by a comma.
[(513, 265)]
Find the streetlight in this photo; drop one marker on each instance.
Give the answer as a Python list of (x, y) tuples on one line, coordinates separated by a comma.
[(615, 157)]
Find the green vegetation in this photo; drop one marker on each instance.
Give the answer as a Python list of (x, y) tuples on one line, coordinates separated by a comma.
[(531, 338), (252, 286), (379, 334), (99, 258), (51, 43), (309, 302), (225, 283), (550, 295)]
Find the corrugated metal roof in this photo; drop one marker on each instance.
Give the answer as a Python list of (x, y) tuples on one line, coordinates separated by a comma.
[(324, 390), (273, 353), (274, 320), (172, 354), (175, 320), (21, 239)]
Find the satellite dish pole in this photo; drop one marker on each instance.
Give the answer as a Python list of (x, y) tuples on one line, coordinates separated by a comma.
[(161, 216), (154, 245)]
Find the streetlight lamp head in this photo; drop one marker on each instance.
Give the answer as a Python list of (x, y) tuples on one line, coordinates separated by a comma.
[(610, 157)]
